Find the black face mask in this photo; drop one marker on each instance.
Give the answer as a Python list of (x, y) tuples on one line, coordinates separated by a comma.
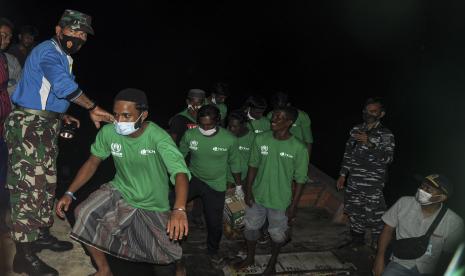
[(368, 118), (75, 44)]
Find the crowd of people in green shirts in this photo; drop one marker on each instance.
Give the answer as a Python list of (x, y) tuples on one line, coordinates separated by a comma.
[(205, 150), (264, 155)]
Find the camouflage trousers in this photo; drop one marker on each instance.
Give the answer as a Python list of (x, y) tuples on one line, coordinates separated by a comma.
[(364, 203), (31, 177)]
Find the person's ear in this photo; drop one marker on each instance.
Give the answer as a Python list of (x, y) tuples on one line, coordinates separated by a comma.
[(442, 197), (289, 123), (57, 30), (382, 114), (145, 114)]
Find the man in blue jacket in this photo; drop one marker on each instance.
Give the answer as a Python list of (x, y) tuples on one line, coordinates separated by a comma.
[(41, 99)]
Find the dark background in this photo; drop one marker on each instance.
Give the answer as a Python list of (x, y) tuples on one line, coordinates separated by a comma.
[(328, 55)]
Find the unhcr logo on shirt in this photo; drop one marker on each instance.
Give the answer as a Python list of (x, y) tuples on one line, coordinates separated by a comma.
[(264, 150), (193, 145), (283, 154), (116, 150), (147, 151), (191, 126), (219, 149)]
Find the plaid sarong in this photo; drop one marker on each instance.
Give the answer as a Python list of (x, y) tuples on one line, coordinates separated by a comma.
[(105, 221)]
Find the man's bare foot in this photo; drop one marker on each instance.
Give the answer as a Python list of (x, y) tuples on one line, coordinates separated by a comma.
[(270, 269), (180, 269), (245, 263)]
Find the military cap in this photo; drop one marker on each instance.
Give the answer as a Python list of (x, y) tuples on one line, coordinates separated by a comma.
[(76, 21)]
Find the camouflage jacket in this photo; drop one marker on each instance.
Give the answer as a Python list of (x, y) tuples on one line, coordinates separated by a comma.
[(374, 157)]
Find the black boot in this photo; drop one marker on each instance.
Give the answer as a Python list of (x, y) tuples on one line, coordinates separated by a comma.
[(47, 241), (26, 261)]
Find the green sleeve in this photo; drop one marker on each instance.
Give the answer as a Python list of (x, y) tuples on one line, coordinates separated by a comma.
[(234, 158), (301, 166), (223, 111), (306, 128), (184, 144), (172, 159), (269, 115), (101, 148), (230, 177), (254, 158)]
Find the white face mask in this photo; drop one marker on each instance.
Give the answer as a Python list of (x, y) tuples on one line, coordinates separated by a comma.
[(424, 198), (209, 132), (214, 100), (126, 128), (250, 116)]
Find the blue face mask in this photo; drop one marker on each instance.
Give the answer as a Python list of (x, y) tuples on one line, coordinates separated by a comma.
[(126, 128)]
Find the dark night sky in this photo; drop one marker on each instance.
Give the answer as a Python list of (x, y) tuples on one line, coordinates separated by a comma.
[(336, 53)]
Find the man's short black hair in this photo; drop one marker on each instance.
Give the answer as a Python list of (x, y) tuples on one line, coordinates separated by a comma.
[(375, 100), (290, 111), (256, 102), (134, 95), (209, 110), (279, 99), (6, 22), (28, 29), (238, 115), (220, 88)]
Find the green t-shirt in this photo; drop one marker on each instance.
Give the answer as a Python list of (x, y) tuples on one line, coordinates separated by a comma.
[(278, 162), (223, 110), (260, 125), (211, 157), (221, 106), (142, 164), (301, 128), (244, 144)]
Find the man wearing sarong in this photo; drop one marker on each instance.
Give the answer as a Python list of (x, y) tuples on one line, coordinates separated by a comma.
[(130, 216)]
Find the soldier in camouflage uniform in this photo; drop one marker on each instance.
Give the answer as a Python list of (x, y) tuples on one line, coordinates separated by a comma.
[(369, 150), (41, 98)]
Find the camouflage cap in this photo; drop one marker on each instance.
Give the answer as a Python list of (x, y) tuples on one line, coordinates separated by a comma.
[(77, 21)]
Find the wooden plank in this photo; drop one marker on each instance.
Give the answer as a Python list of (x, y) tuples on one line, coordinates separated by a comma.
[(304, 262)]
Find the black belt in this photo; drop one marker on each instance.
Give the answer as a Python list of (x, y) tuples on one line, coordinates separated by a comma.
[(43, 113)]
